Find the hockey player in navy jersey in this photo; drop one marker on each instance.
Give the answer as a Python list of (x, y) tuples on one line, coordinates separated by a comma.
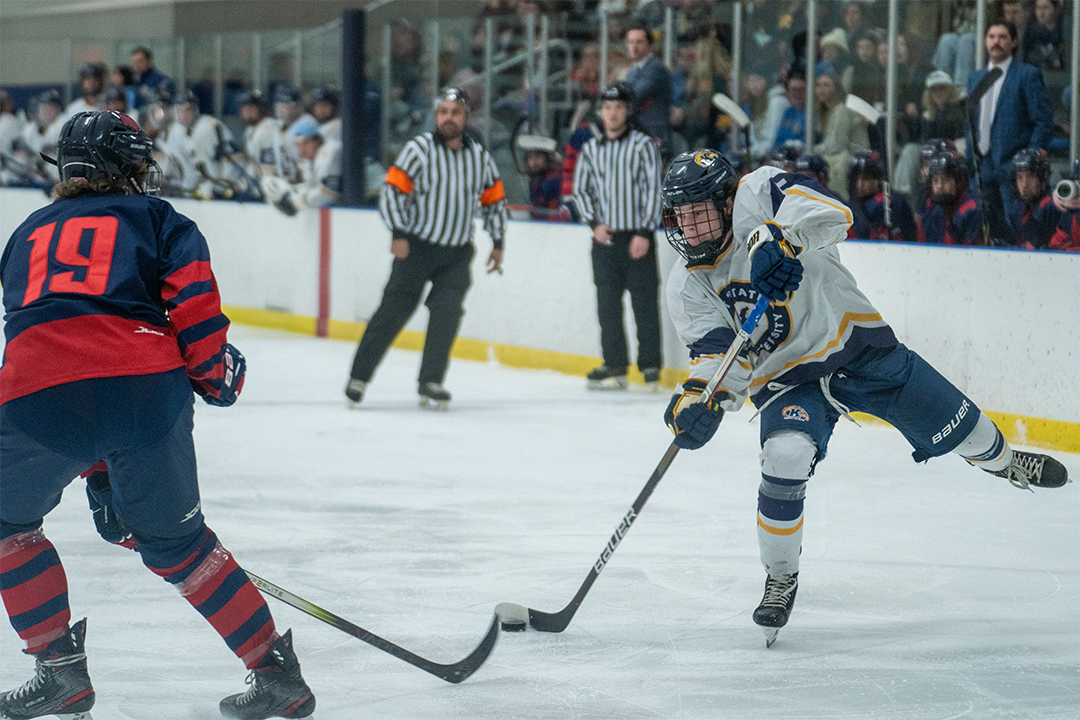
[(112, 319), (866, 182), (821, 350), (1032, 214), (951, 217)]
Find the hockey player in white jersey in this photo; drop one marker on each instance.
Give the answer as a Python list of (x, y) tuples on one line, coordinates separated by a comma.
[(320, 172), (202, 146), (821, 350)]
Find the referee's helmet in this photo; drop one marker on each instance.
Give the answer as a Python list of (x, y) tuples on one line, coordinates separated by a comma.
[(620, 91), (699, 176)]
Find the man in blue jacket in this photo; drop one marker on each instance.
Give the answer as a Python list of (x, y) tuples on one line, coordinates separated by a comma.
[(1014, 113), (651, 82)]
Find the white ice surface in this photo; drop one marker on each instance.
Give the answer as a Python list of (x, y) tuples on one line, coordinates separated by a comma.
[(931, 591)]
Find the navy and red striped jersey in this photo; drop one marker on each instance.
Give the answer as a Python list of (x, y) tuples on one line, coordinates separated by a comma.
[(1067, 234), (105, 286), (1034, 222), (962, 226)]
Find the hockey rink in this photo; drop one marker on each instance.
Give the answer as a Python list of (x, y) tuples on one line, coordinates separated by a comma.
[(927, 591)]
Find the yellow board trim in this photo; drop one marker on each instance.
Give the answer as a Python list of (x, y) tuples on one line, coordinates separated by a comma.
[(1018, 429)]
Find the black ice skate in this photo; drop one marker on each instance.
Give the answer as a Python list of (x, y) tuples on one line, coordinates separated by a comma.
[(1028, 469), (434, 396), (277, 690), (605, 378), (60, 686), (652, 379), (772, 614), (355, 391)]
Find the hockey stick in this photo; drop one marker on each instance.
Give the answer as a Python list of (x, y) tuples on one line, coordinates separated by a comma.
[(974, 99), (518, 617), (452, 673), (878, 121), (726, 105)]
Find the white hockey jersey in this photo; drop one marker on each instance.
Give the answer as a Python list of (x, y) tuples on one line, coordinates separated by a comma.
[(827, 321)]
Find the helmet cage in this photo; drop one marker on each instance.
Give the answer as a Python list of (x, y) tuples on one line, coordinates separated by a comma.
[(701, 176)]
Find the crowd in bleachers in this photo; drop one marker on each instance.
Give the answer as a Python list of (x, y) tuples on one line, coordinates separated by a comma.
[(284, 146)]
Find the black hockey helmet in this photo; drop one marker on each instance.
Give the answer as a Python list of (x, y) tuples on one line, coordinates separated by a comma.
[(935, 146), (699, 176), (1032, 160), (867, 165), (252, 97), (784, 157), (951, 164), (813, 165), (620, 91), (325, 94), (92, 144)]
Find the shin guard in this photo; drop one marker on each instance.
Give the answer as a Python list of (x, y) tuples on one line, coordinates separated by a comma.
[(215, 585), (34, 588)]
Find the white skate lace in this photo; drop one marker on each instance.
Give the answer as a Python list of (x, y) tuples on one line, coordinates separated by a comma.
[(1024, 468), (778, 591), (252, 691), (41, 676)]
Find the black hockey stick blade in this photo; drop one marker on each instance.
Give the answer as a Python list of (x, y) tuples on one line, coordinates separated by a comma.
[(514, 617), (451, 673)]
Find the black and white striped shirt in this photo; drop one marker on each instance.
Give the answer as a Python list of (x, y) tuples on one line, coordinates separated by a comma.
[(617, 182), (433, 192)]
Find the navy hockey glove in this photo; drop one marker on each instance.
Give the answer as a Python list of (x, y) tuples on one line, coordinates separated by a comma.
[(99, 493), (775, 272), (694, 423), (223, 389)]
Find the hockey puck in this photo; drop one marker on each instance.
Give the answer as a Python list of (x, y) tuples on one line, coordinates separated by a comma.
[(514, 626)]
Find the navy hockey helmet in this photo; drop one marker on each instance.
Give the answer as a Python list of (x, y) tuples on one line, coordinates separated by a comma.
[(951, 164), (93, 144), (813, 165), (324, 94), (1032, 160), (867, 165), (784, 157), (620, 91), (699, 176), (935, 146)]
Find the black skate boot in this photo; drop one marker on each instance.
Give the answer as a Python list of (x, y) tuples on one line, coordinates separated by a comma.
[(772, 614), (652, 379), (435, 396), (60, 686), (1028, 469), (355, 391), (605, 378), (277, 689)]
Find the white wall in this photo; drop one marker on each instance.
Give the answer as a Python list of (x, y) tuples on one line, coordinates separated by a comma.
[(1003, 325)]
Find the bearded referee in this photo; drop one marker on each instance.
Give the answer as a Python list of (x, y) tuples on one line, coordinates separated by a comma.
[(432, 192)]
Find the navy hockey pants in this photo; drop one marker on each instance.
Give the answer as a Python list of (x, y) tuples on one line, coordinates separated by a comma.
[(139, 425), (894, 384)]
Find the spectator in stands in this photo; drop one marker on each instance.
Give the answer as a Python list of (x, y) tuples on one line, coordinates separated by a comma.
[(1018, 12), (91, 86), (793, 122), (764, 105), (1033, 212), (844, 133), (951, 216), (1017, 114), (868, 74), (124, 79), (866, 179), (586, 73), (955, 51), (651, 83), (943, 110), (834, 50), (1044, 42), (854, 22), (148, 78)]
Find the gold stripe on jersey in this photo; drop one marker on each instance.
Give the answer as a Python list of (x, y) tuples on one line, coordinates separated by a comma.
[(797, 190)]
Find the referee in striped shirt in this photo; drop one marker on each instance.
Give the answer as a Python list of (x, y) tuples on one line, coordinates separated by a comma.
[(617, 192), (431, 195)]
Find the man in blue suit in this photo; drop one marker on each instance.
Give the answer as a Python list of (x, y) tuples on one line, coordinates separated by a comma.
[(651, 82), (1015, 113)]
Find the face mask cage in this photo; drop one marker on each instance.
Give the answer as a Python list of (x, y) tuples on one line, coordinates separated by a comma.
[(710, 225)]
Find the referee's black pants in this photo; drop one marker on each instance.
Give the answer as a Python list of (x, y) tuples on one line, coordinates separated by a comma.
[(447, 268), (614, 273)]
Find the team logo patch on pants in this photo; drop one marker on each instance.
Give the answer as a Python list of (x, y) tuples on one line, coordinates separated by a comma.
[(794, 412)]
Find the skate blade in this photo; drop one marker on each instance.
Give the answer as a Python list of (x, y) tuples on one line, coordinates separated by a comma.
[(436, 405), (770, 636), (607, 384)]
